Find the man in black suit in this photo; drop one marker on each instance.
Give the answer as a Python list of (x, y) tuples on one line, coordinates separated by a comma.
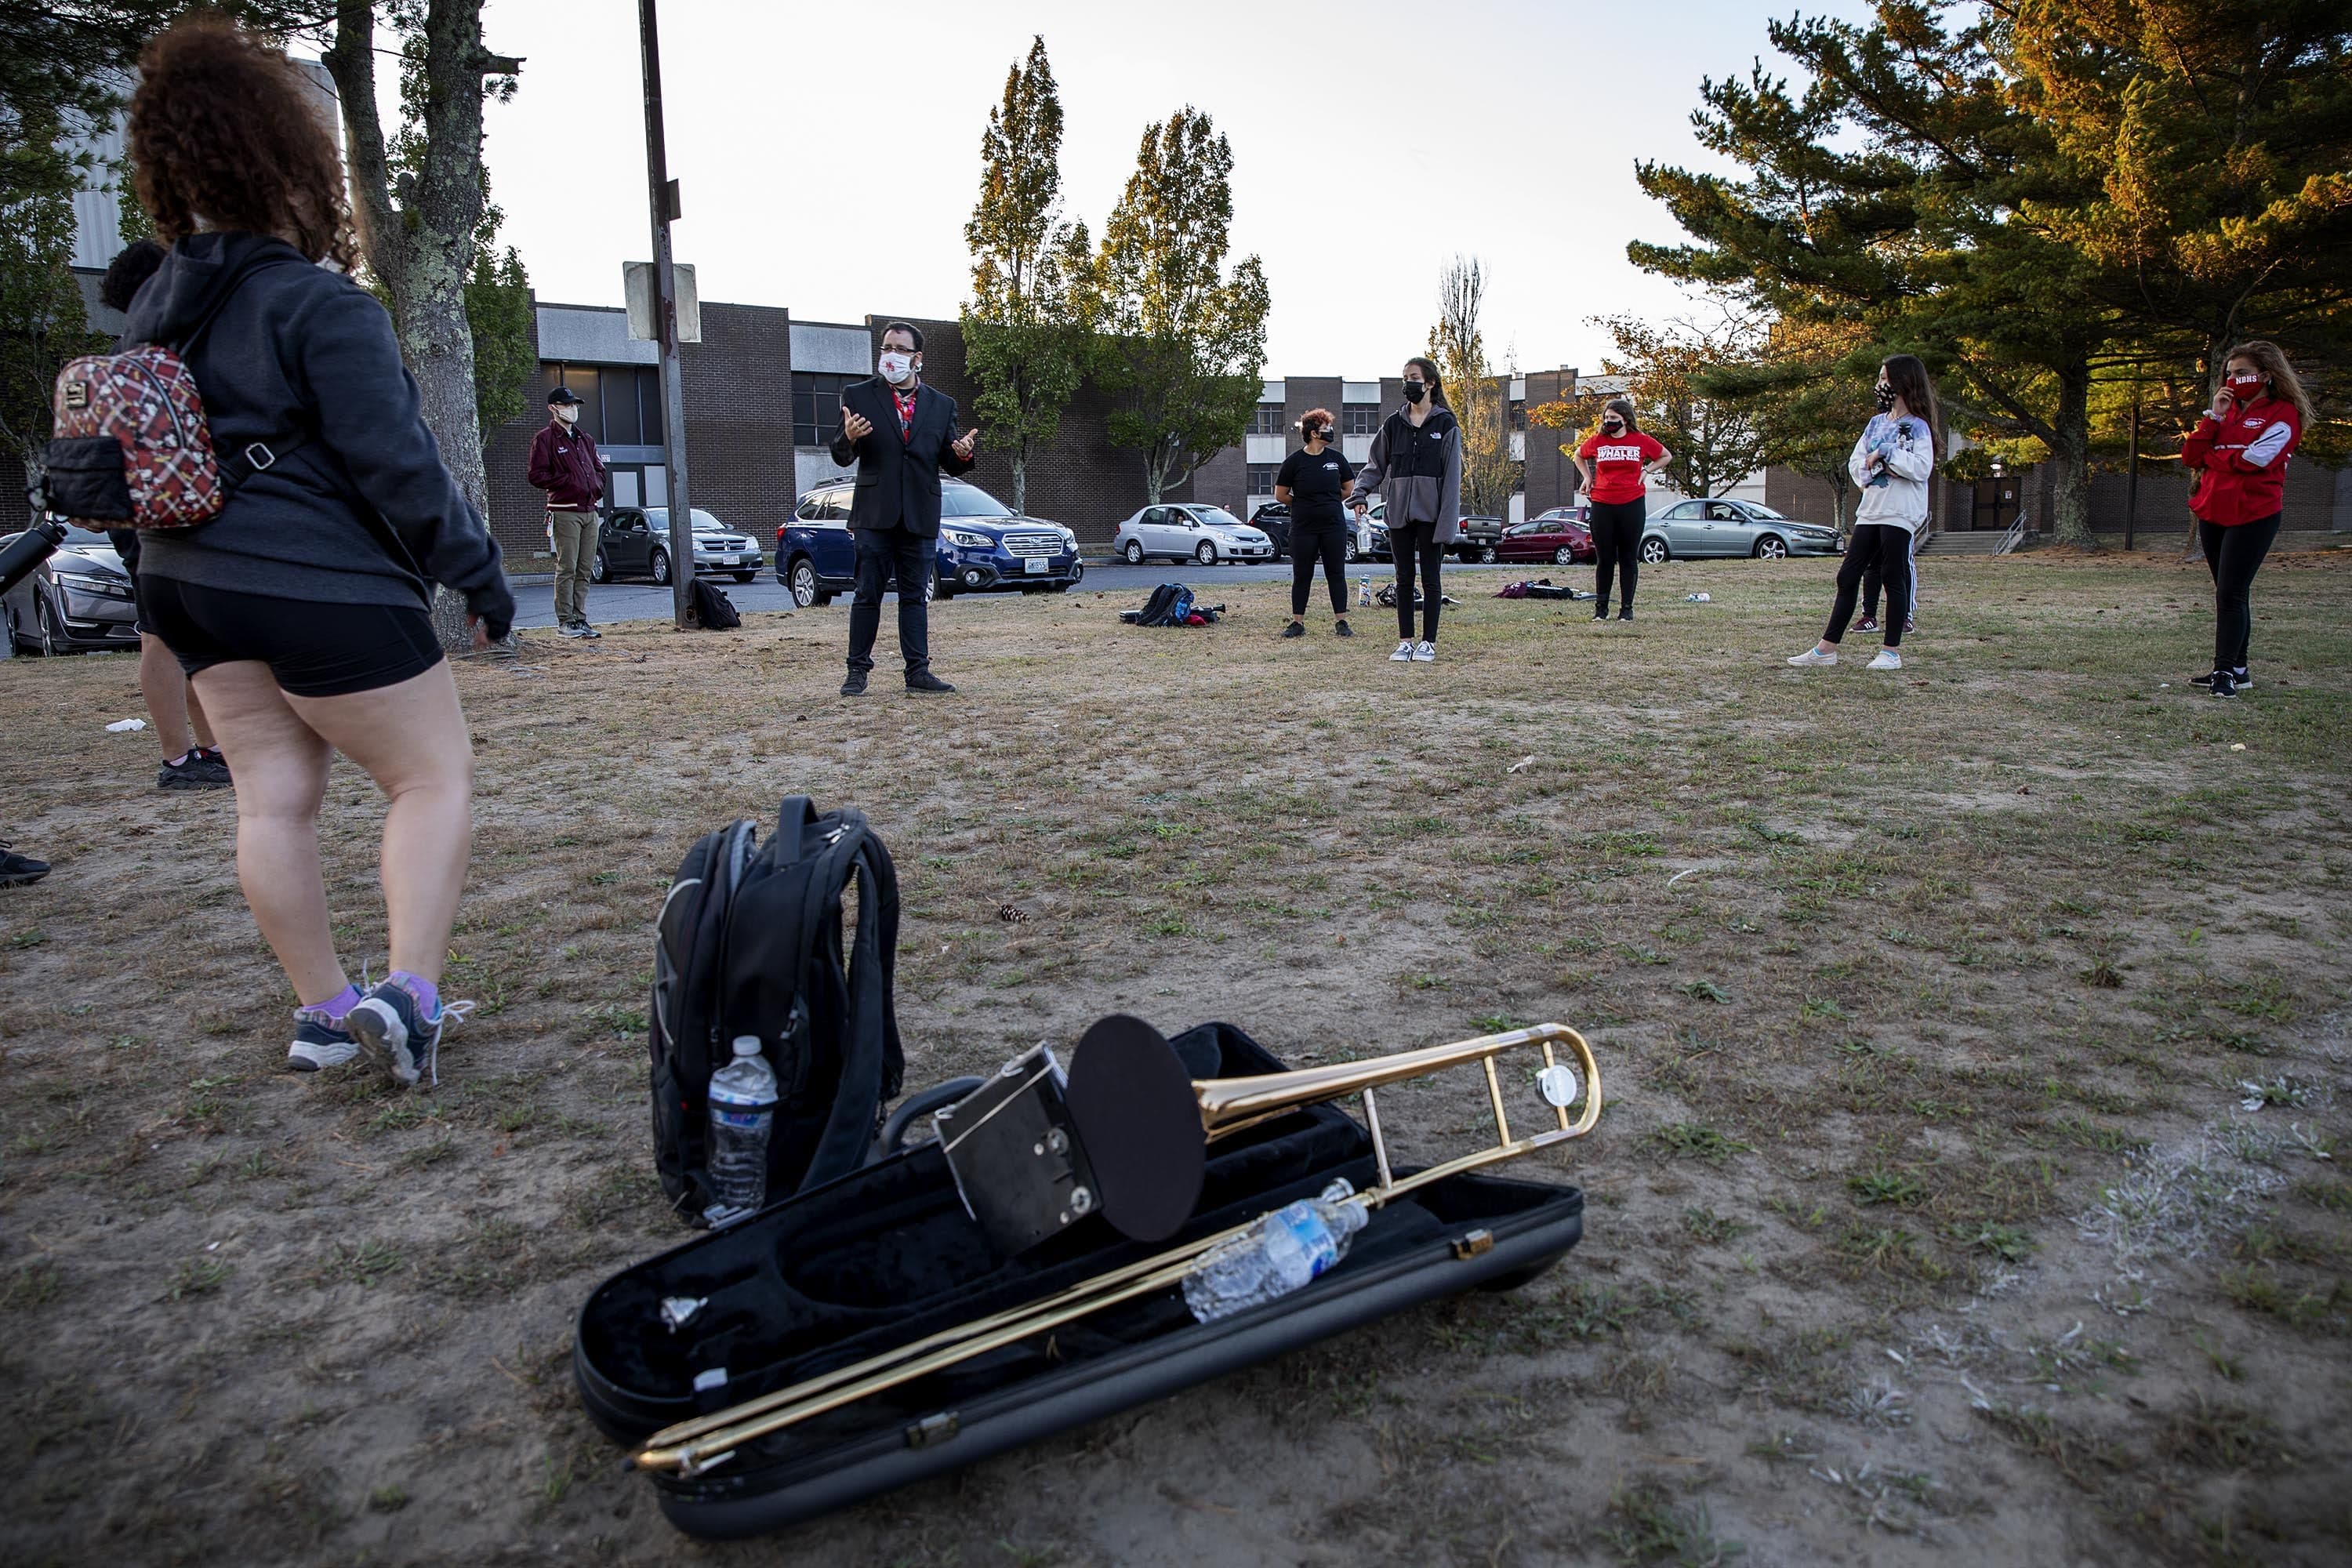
[(902, 437)]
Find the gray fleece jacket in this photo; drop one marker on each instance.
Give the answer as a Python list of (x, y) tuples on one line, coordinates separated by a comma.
[(1419, 471), (362, 512)]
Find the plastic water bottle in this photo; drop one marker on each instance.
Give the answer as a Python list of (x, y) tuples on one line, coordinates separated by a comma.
[(743, 1111), (1274, 1257)]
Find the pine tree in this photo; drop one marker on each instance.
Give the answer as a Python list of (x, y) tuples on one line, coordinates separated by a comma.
[(1806, 392), (1183, 344), (1025, 328)]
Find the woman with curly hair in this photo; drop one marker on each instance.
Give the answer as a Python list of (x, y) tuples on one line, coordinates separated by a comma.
[(2240, 452), (301, 612)]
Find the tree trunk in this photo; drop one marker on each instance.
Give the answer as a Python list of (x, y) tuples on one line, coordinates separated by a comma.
[(1021, 478), (2069, 457)]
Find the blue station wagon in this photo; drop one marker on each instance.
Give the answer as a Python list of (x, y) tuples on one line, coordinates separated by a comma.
[(984, 546)]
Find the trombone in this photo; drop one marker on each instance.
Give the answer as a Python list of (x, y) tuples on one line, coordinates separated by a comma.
[(1224, 1106)]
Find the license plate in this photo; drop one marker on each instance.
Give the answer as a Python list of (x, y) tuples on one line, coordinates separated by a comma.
[(1035, 565), (730, 560)]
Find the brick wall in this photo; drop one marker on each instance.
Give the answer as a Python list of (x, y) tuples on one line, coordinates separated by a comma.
[(739, 418), (517, 518)]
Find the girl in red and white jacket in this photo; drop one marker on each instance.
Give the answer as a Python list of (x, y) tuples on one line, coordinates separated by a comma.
[(2240, 452)]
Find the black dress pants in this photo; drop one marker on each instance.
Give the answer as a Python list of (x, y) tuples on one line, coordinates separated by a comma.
[(887, 555)]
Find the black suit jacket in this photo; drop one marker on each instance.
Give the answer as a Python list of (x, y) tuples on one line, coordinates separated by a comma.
[(899, 482)]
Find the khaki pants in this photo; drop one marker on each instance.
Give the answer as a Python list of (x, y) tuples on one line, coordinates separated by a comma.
[(574, 537)]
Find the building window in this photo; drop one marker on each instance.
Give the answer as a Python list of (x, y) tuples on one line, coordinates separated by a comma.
[(1519, 479), (1267, 420), (620, 404), (816, 406), (1261, 478), (1520, 414), (1360, 418)]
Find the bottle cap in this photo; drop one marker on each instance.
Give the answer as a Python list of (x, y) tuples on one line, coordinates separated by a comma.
[(747, 1045)]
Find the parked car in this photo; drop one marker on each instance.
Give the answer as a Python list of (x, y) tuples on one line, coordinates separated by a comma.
[(1721, 527), (1558, 536), (79, 599), (983, 545), (635, 543), (1477, 538), (1273, 520), (1189, 530)]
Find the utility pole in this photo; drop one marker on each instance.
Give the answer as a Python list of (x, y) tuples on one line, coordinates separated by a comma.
[(2131, 485), (662, 200)]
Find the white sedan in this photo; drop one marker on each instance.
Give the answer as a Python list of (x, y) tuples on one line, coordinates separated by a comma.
[(1189, 530)]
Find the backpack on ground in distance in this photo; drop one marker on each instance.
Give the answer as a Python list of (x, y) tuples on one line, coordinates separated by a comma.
[(750, 943), (713, 610)]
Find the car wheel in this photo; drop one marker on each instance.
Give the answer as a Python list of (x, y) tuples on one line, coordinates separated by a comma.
[(804, 589), (659, 566), (1077, 574), (1134, 553), (1653, 551), (1771, 547), (1564, 556), (1206, 554), (50, 635), (1487, 555), (599, 570)]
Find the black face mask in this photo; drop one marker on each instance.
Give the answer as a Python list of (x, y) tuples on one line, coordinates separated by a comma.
[(1886, 400), (1414, 391), (1318, 433), (1613, 427)]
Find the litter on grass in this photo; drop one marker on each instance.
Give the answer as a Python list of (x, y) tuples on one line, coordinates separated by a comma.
[(124, 726), (1698, 598)]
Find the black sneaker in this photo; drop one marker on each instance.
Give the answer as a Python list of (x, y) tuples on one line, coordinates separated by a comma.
[(1343, 630), (2238, 677), (1294, 630), (192, 771), (1626, 614), (1601, 610), (215, 764), (924, 680), (855, 684), (2224, 684), (18, 870)]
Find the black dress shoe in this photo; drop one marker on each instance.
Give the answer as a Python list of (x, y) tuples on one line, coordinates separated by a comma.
[(855, 686), (924, 680)]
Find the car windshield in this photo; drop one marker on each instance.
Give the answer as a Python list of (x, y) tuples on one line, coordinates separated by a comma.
[(78, 538), (971, 500), (1216, 517), (658, 516), (1757, 508)]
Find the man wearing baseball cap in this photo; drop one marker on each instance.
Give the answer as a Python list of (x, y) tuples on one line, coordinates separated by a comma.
[(565, 463)]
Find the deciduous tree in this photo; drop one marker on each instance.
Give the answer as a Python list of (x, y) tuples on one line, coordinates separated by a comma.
[(1183, 341), (1026, 327), (1481, 404)]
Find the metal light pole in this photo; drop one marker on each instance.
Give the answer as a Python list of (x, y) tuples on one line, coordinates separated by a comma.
[(662, 200)]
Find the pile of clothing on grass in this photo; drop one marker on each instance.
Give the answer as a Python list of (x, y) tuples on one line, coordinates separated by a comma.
[(1541, 588), (1171, 604)]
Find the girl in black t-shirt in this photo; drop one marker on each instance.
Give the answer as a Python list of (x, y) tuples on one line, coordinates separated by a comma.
[(1313, 483)]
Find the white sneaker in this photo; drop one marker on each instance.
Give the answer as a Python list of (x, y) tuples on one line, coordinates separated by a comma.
[(1887, 659), (1425, 653), (1814, 655), (573, 629), (1403, 654)]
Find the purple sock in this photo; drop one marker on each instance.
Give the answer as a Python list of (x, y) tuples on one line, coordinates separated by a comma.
[(429, 995), (341, 1003)]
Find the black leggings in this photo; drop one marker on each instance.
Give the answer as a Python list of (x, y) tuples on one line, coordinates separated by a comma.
[(1411, 543), (1888, 547), (1617, 547), (2235, 554), (1325, 541)]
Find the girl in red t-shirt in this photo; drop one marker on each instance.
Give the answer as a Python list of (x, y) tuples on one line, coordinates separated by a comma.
[(1616, 462)]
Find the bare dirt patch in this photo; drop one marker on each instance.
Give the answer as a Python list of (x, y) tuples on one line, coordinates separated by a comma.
[(1976, 1039)]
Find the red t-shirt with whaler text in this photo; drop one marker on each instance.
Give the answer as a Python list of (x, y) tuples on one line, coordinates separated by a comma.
[(1617, 465)]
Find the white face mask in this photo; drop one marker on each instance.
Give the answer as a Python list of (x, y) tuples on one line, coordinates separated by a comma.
[(568, 412), (895, 367)]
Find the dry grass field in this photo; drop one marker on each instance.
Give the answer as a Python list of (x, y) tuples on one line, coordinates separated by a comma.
[(1977, 1043)]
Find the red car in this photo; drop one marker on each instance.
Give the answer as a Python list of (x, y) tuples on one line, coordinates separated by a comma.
[(1558, 536)]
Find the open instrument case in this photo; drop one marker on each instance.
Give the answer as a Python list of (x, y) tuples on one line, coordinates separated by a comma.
[(888, 1255)]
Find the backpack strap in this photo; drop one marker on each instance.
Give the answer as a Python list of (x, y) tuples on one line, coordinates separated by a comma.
[(872, 1061), (256, 456)]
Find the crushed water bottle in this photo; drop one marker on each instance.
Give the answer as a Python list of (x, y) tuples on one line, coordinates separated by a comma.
[(1274, 1257), (742, 1112)]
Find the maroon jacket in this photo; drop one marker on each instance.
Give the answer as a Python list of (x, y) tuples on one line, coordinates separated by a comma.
[(565, 463)]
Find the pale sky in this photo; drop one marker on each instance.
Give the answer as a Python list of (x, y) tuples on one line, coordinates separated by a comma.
[(829, 153)]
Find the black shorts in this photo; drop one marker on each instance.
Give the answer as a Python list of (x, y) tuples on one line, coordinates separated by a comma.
[(313, 649)]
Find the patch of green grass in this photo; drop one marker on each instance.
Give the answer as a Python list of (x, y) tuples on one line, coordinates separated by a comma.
[(2010, 1243), (1705, 990), (1885, 1187), (2214, 1437), (358, 1263), (197, 1277), (1651, 1527), (1709, 1227), (1822, 1007), (1694, 1141), (2258, 1288), (387, 1499)]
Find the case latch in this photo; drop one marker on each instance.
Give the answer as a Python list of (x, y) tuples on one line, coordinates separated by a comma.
[(1473, 1243), (933, 1430)]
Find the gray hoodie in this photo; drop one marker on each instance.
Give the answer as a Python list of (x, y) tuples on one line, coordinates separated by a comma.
[(1420, 472), (361, 511)]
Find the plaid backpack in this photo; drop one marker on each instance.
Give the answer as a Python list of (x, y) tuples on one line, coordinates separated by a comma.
[(132, 448)]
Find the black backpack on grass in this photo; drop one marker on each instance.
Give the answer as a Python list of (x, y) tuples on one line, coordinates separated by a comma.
[(713, 610), (748, 943)]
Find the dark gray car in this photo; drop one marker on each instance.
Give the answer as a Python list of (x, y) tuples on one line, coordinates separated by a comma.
[(79, 599)]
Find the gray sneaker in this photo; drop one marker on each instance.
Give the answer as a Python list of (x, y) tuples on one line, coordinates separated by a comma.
[(392, 1028), (575, 629)]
